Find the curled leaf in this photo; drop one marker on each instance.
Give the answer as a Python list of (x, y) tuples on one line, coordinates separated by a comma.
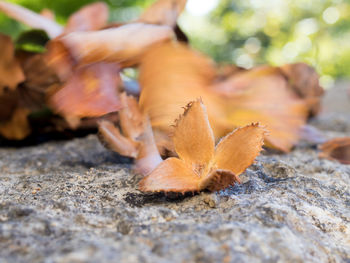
[(135, 137), (17, 127), (123, 44), (337, 149), (172, 74), (91, 91), (111, 138), (262, 95), (207, 168), (304, 81), (11, 73)]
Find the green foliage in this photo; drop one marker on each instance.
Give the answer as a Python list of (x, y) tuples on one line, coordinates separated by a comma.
[(281, 31), (120, 10), (32, 40)]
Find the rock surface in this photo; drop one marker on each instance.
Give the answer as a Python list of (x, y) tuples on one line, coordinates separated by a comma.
[(75, 201)]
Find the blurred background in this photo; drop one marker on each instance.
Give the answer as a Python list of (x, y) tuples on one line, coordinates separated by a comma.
[(244, 32)]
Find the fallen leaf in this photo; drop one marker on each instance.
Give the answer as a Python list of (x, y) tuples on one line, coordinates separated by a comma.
[(112, 139), (11, 73), (31, 18), (17, 127), (262, 95), (337, 149), (201, 165), (122, 45), (134, 138), (39, 78), (172, 73), (91, 91), (304, 81), (90, 17)]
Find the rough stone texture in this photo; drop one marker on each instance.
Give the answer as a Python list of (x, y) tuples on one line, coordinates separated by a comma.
[(75, 201)]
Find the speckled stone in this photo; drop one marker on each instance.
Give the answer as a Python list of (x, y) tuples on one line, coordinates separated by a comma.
[(75, 201)]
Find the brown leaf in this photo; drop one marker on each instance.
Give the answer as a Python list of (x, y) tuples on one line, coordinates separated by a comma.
[(205, 169), (304, 81), (9, 103), (262, 95), (90, 17), (59, 59), (337, 149), (11, 73), (115, 141), (91, 91), (163, 12), (136, 137), (17, 127), (31, 18), (122, 45), (39, 77), (171, 74)]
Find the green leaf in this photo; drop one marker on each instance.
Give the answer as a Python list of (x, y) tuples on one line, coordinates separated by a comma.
[(33, 41)]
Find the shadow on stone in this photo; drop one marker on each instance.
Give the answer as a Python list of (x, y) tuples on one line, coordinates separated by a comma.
[(141, 199)]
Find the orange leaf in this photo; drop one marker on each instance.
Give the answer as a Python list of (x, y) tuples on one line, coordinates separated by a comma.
[(304, 81), (192, 146), (90, 92), (90, 17), (11, 73), (17, 128), (204, 170), (247, 143), (262, 95), (337, 149), (172, 175), (171, 74), (112, 139), (31, 18), (123, 44), (163, 12), (136, 139)]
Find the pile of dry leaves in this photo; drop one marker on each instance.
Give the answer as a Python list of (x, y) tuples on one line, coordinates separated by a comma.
[(73, 77)]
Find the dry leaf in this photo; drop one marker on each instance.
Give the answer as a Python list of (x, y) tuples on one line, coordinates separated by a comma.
[(11, 73), (337, 149), (111, 138), (262, 95), (90, 17), (31, 18), (123, 44), (201, 165), (39, 77), (17, 128), (163, 12), (136, 139), (91, 91), (304, 81), (171, 74)]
